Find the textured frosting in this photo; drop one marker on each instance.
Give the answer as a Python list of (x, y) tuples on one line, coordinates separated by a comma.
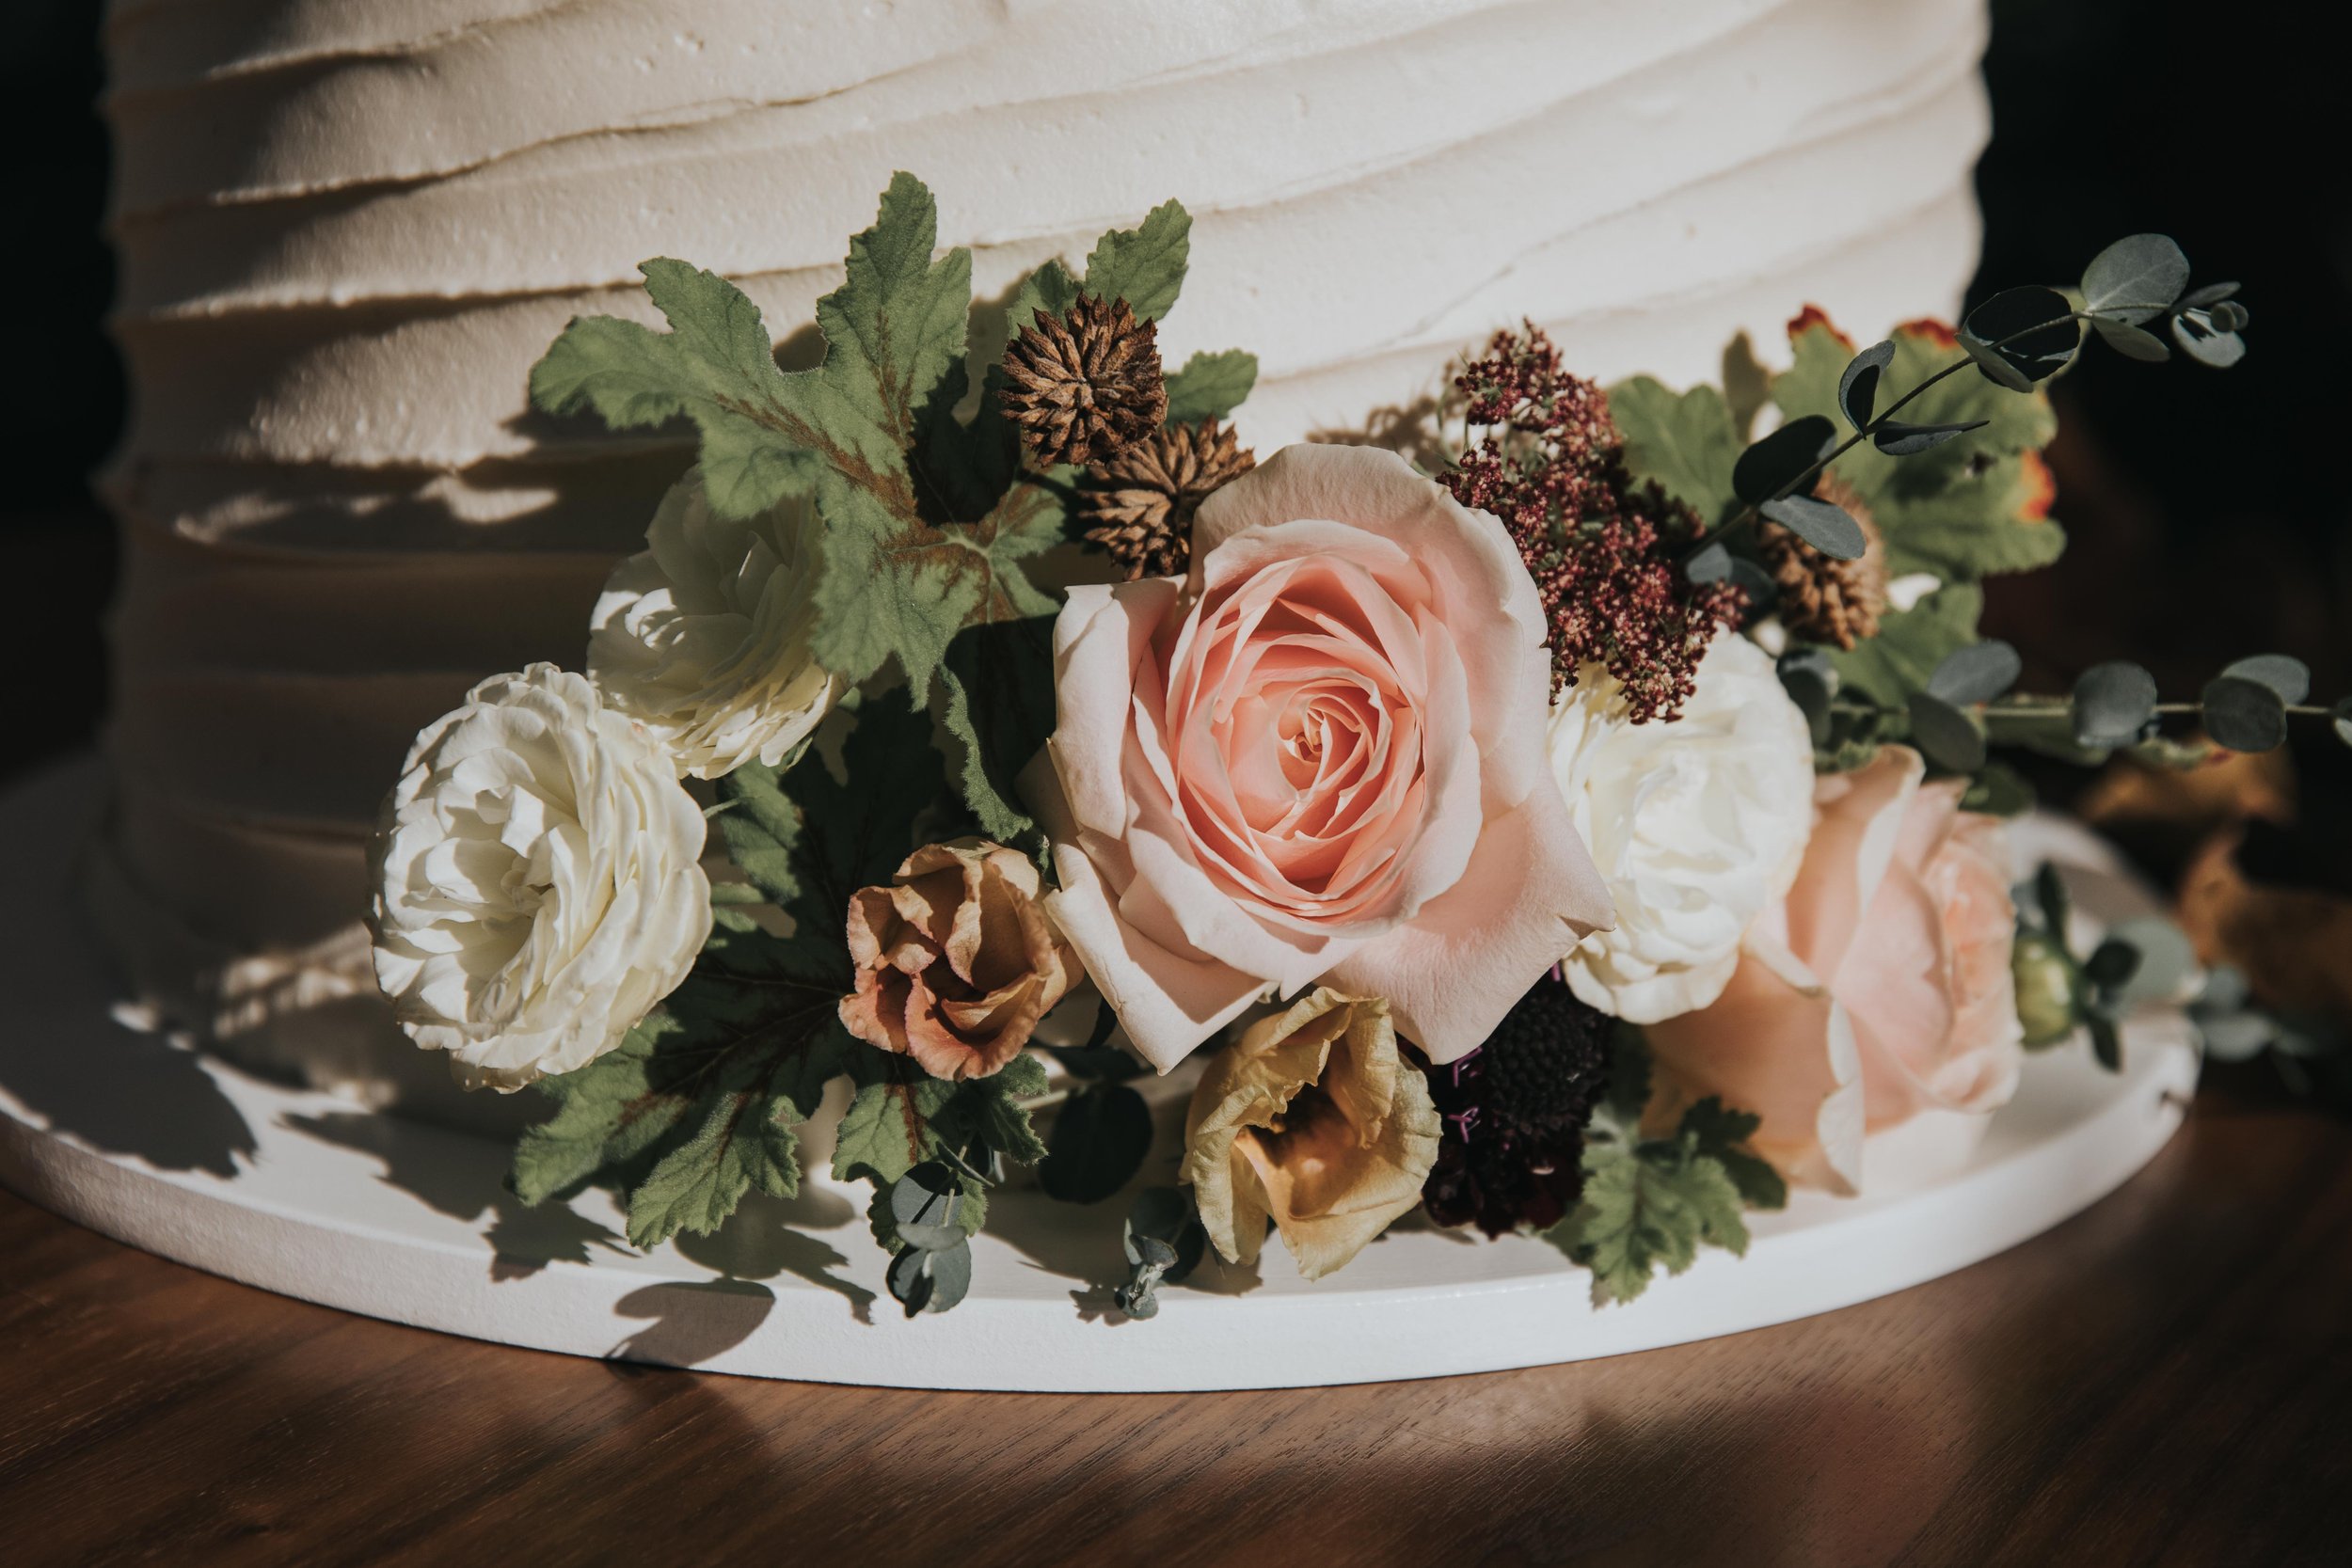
[(347, 231)]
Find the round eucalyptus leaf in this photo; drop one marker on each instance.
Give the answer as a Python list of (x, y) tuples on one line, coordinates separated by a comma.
[(1772, 465), (2225, 991), (2243, 715), (2112, 703), (2207, 343), (2237, 1036), (2134, 343), (1997, 791), (2167, 959), (1713, 564), (1754, 580), (2341, 716), (1949, 736), (2207, 294), (926, 1195), (1858, 388), (1825, 525), (2290, 677), (930, 1237), (2107, 1042), (1976, 673), (2231, 316), (1812, 696), (1811, 658), (2111, 963), (2138, 277), (1901, 438), (1166, 1215), (951, 1277), (909, 1282), (1097, 1143), (2021, 336), (2050, 894)]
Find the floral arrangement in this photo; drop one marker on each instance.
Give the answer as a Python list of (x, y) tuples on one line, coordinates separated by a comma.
[(1587, 830)]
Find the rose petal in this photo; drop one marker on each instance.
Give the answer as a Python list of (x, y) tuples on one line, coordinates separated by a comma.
[(1168, 1001), (1857, 821), (1528, 896), (1783, 1052)]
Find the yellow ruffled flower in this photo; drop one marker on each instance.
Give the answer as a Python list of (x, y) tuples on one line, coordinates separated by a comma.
[(1315, 1121)]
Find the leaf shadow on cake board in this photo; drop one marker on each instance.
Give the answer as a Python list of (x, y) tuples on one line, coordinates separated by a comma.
[(120, 1089), (524, 1239), (120, 1107)]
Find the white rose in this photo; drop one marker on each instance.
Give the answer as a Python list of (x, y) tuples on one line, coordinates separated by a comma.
[(704, 635), (538, 880), (1696, 825)]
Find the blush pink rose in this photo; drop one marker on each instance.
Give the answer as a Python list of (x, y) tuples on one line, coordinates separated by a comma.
[(1319, 758), (1879, 988)]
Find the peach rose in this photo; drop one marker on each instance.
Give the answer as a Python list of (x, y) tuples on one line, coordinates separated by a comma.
[(1877, 988), (956, 960), (1320, 757)]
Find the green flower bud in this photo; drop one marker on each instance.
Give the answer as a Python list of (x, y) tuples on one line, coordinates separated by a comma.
[(2049, 989)]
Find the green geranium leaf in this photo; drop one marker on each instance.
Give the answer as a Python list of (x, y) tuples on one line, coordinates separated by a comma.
[(1144, 266), (743, 1141), (1000, 680), (1049, 291), (907, 564), (1653, 1202), (1687, 442), (697, 1106), (887, 1130), (902, 1116), (1911, 643), (1721, 1134), (808, 841), (1647, 1206), (1211, 385), (1963, 508)]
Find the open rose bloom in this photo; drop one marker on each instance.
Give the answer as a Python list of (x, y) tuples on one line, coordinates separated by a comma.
[(1879, 988), (1319, 758)]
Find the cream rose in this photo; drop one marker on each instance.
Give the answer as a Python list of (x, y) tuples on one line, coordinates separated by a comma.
[(1696, 825), (704, 635), (1879, 988), (537, 880), (1319, 758)]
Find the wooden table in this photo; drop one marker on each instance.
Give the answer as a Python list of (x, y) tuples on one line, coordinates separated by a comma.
[(2166, 1379)]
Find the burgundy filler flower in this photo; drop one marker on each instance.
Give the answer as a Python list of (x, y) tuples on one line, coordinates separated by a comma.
[(1513, 1114), (1602, 548)]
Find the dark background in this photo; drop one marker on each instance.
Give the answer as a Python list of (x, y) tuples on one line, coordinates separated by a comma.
[(2208, 519)]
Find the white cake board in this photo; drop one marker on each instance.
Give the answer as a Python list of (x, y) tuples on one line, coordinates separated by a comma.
[(302, 1193)]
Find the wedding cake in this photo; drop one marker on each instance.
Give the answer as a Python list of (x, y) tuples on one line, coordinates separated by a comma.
[(347, 232)]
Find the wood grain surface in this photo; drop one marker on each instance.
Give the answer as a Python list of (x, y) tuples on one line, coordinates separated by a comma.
[(2162, 1380)]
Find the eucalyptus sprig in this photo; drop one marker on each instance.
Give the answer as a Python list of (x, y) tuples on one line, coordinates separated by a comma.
[(2060, 991), (2017, 338)]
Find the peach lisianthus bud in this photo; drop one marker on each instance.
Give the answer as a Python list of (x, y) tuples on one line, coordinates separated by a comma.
[(1315, 1121), (956, 960)]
